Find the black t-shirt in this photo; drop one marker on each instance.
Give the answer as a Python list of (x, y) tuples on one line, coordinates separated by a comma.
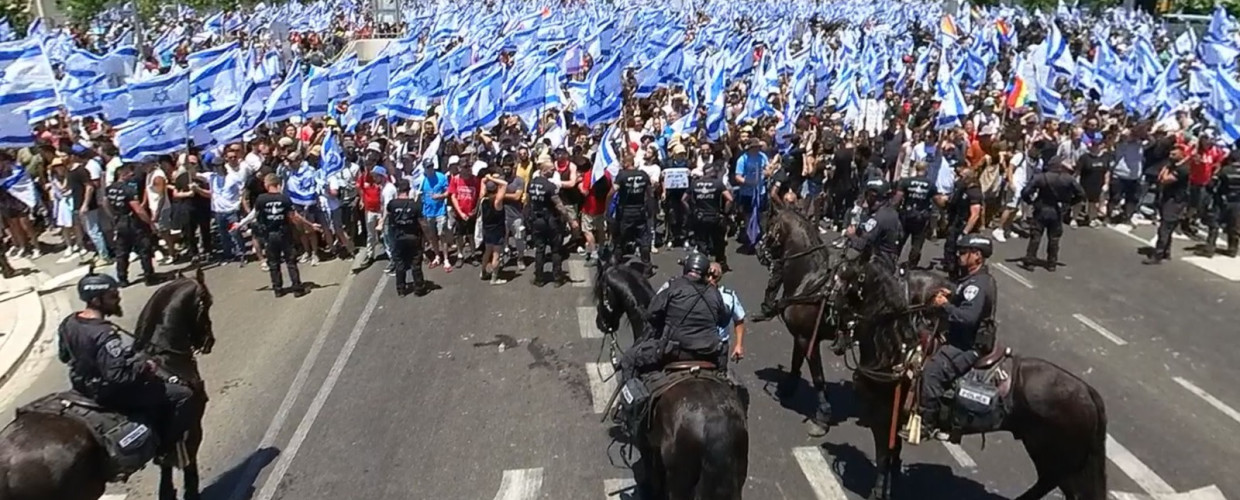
[(962, 202), (273, 212), (119, 194), (1093, 168), (844, 163), (918, 194), (197, 204), (403, 214), (1178, 190), (78, 179)]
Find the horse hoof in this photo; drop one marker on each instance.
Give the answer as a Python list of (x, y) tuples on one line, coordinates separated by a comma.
[(815, 430)]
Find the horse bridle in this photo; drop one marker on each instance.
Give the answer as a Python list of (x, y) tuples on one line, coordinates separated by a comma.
[(853, 319)]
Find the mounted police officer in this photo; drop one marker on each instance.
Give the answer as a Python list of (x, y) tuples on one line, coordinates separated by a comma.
[(709, 199), (132, 225), (1227, 208), (1051, 194), (404, 214), (632, 188), (879, 235), (545, 215), (104, 367), (915, 202), (970, 315), (684, 321)]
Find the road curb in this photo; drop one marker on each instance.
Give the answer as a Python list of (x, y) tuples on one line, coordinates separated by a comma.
[(27, 311)]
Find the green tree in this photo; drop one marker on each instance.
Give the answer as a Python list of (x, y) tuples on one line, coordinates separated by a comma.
[(17, 13)]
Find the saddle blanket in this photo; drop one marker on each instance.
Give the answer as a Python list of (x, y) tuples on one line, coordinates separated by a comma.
[(129, 441)]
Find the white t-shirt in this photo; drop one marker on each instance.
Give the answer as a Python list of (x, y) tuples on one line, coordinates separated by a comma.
[(226, 188)]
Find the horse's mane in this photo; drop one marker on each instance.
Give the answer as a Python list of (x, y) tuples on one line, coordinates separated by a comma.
[(169, 307), (886, 301), (798, 227)]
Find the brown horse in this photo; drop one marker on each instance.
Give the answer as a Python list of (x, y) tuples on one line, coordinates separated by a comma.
[(1058, 417), (800, 257), (46, 457)]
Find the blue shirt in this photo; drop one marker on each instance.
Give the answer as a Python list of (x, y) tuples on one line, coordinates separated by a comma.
[(434, 183), (750, 167)]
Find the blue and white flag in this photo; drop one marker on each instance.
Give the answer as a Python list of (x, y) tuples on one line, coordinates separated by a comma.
[(158, 122), (315, 92), (27, 91), (285, 102)]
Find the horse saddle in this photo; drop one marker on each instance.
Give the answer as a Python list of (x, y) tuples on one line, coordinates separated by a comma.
[(128, 439), (979, 398)]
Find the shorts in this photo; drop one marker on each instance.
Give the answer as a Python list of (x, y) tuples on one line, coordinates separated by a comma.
[(1011, 196), (593, 223), (313, 214), (337, 220), (437, 226), (465, 227), (492, 236)]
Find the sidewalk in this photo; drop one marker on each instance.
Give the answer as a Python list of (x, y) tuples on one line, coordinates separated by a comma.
[(21, 316)]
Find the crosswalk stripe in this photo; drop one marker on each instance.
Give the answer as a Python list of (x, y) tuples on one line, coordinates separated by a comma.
[(602, 384), (114, 496), (821, 479), (1217, 403), (1136, 470), (520, 484), (619, 489), (577, 273), (585, 322), (1101, 330), (960, 455)]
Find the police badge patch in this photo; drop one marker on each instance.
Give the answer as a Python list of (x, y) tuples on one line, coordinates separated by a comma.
[(869, 224), (970, 292), (114, 347)]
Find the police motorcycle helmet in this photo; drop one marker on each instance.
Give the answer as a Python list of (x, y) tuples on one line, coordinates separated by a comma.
[(696, 263), (879, 187), (976, 242), (93, 286)]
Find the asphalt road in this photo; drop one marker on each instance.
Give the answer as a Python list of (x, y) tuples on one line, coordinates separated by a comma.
[(479, 391)]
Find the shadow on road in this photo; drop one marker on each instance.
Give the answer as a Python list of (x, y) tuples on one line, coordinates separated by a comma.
[(804, 401), (241, 477), (922, 481)]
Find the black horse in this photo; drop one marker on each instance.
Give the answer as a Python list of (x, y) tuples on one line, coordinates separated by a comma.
[(44, 456), (1058, 417), (697, 443), (793, 238)]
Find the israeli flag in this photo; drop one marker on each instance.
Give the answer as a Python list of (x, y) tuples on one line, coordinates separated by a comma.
[(285, 102), (27, 91)]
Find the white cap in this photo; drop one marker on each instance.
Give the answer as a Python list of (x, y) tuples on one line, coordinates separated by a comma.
[(479, 166), (401, 130), (454, 159), (374, 146)]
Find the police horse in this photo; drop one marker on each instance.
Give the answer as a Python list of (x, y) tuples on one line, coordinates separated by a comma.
[(791, 241), (1058, 417), (65, 447), (695, 440)]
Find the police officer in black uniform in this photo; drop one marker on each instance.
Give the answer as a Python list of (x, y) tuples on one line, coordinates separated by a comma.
[(132, 225), (1173, 179), (404, 215), (880, 233), (275, 214), (970, 315), (632, 189), (1051, 193), (1227, 208), (545, 214), (915, 199), (684, 321), (964, 209), (709, 199), (104, 367)]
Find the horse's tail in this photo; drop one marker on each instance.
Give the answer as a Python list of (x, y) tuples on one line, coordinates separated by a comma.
[(1094, 473)]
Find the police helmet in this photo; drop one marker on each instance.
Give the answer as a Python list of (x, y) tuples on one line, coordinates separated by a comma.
[(976, 242), (696, 263), (878, 186), (93, 286)]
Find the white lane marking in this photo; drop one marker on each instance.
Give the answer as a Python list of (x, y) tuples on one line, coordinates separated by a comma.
[(1224, 267), (68, 276), (114, 496), (618, 488), (1132, 467), (299, 381), (312, 413), (1014, 275), (816, 469), (577, 273), (585, 322), (1213, 401), (520, 484), (960, 455), (1207, 493), (602, 384), (1093, 325), (1128, 232)]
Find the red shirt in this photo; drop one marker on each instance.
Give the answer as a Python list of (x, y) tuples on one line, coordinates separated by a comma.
[(370, 193), (465, 191), (1203, 164), (596, 201)]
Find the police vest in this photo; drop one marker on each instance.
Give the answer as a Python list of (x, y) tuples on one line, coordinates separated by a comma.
[(119, 194), (707, 194), (917, 195), (403, 213), (540, 192), (273, 212), (1229, 189), (631, 187)]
